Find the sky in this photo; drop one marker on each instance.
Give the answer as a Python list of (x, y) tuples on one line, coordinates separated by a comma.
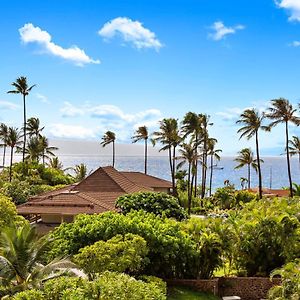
[(116, 65)]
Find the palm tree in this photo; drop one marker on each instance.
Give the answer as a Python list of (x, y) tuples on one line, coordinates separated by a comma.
[(281, 111), (205, 137), (252, 121), (246, 158), (189, 156), (192, 125), (3, 137), (214, 155), (46, 150), (21, 87), (108, 138), (80, 172), (54, 163), (294, 147), (142, 134), (13, 140), (33, 150), (33, 127), (21, 255), (170, 138)]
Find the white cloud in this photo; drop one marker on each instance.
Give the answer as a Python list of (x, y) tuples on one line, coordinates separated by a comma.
[(111, 117), (31, 34), (292, 6), (71, 131), (6, 105), (42, 98), (132, 32), (220, 31), (295, 44), (69, 110)]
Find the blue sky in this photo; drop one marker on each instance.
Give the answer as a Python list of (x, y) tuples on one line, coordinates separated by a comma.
[(114, 65)]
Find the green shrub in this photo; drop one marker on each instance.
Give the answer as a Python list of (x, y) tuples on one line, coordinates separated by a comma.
[(8, 211), (120, 253), (242, 197), (170, 248), (290, 282), (29, 295), (157, 203), (224, 197), (19, 191)]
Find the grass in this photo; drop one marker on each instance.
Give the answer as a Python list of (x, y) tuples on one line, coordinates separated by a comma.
[(183, 293)]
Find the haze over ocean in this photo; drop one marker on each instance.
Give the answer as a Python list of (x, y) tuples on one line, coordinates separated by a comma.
[(159, 166)]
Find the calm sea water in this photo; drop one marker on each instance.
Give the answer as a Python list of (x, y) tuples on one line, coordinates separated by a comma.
[(274, 169)]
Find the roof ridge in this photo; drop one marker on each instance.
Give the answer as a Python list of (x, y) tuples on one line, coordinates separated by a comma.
[(157, 178), (119, 183)]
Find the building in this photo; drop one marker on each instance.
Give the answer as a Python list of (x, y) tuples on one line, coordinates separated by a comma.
[(95, 194)]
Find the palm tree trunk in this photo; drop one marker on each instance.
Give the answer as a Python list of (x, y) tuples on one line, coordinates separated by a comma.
[(24, 132), (196, 165), (4, 153), (249, 176), (211, 173), (173, 171), (204, 165), (258, 167), (11, 162), (113, 164), (288, 158), (171, 168), (146, 155), (190, 190)]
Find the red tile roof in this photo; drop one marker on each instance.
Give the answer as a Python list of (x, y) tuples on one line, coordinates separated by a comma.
[(95, 194)]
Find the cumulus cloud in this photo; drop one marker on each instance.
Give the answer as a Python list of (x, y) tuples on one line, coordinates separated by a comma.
[(111, 117), (295, 44), (60, 130), (42, 98), (220, 31), (32, 34), (292, 6), (132, 32), (6, 105)]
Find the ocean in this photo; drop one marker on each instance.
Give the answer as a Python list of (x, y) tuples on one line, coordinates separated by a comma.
[(274, 169)]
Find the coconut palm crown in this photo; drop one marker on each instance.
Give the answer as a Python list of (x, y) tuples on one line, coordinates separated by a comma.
[(281, 111), (109, 137)]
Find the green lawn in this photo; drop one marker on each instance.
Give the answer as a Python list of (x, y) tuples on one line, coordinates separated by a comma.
[(182, 293)]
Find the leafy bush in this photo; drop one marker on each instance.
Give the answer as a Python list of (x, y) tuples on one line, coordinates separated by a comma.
[(267, 235), (112, 286), (224, 197), (290, 282), (8, 211), (170, 248), (20, 191), (29, 295), (120, 253), (157, 203), (242, 197)]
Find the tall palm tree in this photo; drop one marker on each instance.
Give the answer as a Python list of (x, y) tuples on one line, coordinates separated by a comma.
[(46, 150), (282, 111), (22, 252), (188, 155), (33, 150), (205, 137), (246, 158), (33, 127), (142, 134), (170, 138), (109, 138), (13, 140), (192, 125), (252, 122), (294, 147), (21, 87), (3, 137), (214, 154)]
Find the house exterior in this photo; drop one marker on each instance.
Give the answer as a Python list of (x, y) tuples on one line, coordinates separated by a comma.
[(97, 193)]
